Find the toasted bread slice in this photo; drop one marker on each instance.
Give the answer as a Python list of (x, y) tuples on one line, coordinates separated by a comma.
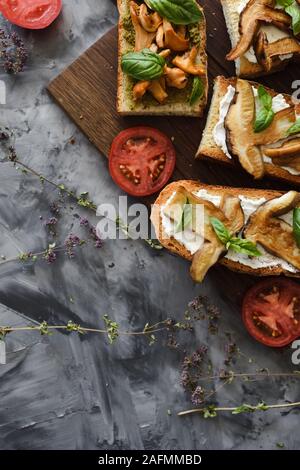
[(193, 186), (177, 103), (244, 67), (208, 147)]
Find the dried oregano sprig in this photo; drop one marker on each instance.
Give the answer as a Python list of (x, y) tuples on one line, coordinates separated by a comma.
[(111, 330), (13, 53), (82, 200), (213, 411)]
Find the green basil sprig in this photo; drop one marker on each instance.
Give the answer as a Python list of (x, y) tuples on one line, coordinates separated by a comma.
[(265, 115), (239, 245), (292, 8), (186, 218), (143, 65), (177, 11), (295, 128), (197, 90), (296, 225)]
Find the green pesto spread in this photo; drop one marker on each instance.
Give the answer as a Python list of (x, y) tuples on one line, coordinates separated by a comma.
[(129, 33), (194, 34)]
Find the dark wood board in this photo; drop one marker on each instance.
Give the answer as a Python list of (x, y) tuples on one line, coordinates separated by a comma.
[(86, 90)]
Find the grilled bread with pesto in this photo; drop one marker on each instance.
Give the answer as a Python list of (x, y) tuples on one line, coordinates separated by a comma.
[(162, 58)]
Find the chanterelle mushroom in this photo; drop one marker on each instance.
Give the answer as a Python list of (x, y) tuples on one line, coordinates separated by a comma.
[(158, 90), (275, 235), (175, 77), (150, 22), (242, 141), (174, 41), (187, 63), (143, 39), (140, 89), (254, 14)]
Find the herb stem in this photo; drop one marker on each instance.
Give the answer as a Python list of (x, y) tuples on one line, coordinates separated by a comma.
[(234, 408)]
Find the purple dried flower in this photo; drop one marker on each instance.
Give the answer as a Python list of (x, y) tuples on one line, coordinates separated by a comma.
[(98, 241), (3, 135), (12, 52), (198, 396), (54, 208), (52, 221), (50, 256), (84, 222), (72, 242)]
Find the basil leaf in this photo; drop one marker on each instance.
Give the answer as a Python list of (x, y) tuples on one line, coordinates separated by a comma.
[(295, 128), (186, 219), (143, 65), (263, 119), (177, 11), (284, 3), (240, 245), (294, 11), (221, 231), (264, 97), (197, 90), (296, 225)]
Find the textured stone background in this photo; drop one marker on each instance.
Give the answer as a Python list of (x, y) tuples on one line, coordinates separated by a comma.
[(70, 392)]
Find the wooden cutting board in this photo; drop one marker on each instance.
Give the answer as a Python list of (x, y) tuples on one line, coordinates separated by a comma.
[(86, 90)]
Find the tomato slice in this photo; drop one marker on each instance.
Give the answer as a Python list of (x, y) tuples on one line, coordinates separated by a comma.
[(271, 312), (31, 14), (141, 160)]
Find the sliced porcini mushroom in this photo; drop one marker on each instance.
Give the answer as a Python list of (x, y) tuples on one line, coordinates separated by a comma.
[(290, 162), (175, 77), (187, 63), (242, 141), (239, 129), (140, 89), (270, 55), (143, 39), (149, 21), (231, 215), (287, 149), (231, 206), (157, 89), (254, 14), (277, 130), (173, 40), (276, 236)]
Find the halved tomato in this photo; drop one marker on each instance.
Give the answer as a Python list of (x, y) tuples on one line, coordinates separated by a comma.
[(31, 14), (141, 160), (271, 312)]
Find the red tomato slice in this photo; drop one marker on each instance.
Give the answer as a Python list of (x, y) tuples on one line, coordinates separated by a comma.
[(271, 312), (141, 160), (31, 14)]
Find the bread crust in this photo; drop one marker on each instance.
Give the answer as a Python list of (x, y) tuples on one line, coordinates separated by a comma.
[(171, 109), (208, 149), (192, 186), (244, 68)]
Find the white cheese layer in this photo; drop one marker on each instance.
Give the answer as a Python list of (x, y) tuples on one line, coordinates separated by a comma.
[(273, 34), (219, 132), (249, 205)]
